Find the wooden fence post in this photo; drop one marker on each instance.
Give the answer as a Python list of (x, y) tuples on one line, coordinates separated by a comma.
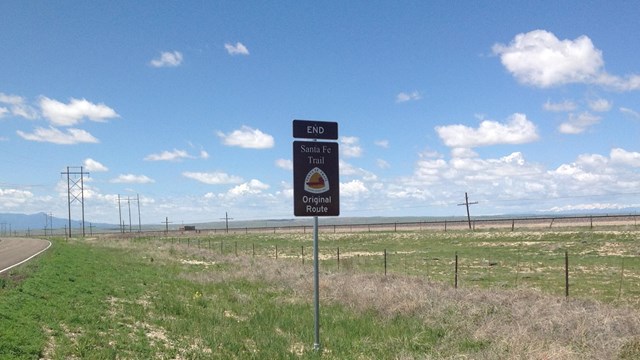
[(566, 273), (456, 272), (621, 278), (385, 262)]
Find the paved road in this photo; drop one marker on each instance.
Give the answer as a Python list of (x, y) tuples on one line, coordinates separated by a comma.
[(15, 251)]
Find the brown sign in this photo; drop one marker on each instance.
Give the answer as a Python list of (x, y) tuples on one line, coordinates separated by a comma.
[(316, 180)]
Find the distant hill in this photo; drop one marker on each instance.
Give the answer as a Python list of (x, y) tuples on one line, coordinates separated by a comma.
[(37, 222)]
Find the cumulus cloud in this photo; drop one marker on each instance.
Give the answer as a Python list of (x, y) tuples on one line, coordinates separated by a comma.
[(252, 187), (167, 59), (621, 156), (404, 97), (175, 155), (353, 188), (213, 178), (132, 179), (11, 198), (247, 138), (61, 114), (350, 146), (540, 59), (284, 164), (518, 130), (52, 135), (237, 49), (577, 124), (93, 165)]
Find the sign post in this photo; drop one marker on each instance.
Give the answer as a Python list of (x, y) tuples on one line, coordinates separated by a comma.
[(316, 186)]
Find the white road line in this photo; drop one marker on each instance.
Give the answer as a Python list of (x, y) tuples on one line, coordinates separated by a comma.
[(27, 259)]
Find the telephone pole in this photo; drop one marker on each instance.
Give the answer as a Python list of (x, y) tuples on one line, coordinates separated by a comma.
[(166, 224), (226, 219), (75, 191), (139, 221), (467, 203), (120, 215)]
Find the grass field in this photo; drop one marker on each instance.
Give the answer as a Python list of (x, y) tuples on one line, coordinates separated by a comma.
[(250, 296)]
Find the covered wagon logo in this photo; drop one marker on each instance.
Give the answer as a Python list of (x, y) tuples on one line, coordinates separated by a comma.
[(316, 181)]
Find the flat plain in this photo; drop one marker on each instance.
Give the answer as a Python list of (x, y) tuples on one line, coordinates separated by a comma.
[(384, 294)]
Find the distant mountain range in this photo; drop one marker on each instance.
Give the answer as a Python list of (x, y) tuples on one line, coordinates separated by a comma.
[(10, 222)]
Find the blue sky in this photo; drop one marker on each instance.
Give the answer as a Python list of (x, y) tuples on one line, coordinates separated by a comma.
[(527, 106)]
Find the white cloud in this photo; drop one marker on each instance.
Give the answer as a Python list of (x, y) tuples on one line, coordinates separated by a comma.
[(132, 179), (353, 188), (53, 135), (350, 146), (284, 164), (577, 124), (404, 97), (92, 165), (600, 105), (61, 114), (237, 49), (252, 187), (630, 112), (382, 143), (564, 106), (540, 59), (175, 155), (213, 178), (167, 59), (463, 153), (347, 169), (204, 154), (518, 130), (621, 156), (247, 138), (382, 164), (17, 107), (588, 207), (12, 198)]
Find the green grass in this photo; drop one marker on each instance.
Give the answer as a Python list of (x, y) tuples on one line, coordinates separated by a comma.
[(195, 298)]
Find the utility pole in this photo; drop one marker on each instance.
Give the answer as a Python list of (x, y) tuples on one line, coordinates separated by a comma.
[(166, 226), (139, 221), (120, 215), (226, 219), (467, 203), (75, 191), (129, 202)]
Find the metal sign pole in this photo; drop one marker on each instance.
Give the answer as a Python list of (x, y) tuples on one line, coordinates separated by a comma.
[(316, 285)]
